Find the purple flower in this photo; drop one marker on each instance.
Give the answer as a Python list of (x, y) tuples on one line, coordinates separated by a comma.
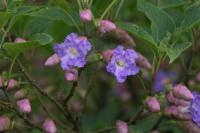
[(195, 109), (73, 51), (161, 79), (123, 63)]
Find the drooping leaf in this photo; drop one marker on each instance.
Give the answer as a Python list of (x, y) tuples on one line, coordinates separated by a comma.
[(192, 16), (40, 39), (161, 22), (174, 52)]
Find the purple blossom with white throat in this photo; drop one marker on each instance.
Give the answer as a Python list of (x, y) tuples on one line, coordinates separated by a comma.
[(123, 63), (73, 51)]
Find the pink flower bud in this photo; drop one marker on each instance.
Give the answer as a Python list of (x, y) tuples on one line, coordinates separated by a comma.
[(19, 94), (190, 127), (143, 62), (19, 40), (176, 101), (106, 26), (155, 131), (86, 15), (83, 37), (124, 37), (52, 60), (198, 77), (121, 127), (24, 105), (178, 112), (153, 104), (71, 75), (11, 84), (181, 91), (4, 123), (107, 55), (49, 126)]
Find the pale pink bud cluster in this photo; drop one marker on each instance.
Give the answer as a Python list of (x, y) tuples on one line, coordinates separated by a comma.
[(106, 26), (178, 112), (24, 105), (155, 131), (19, 40), (121, 127), (107, 55), (49, 126), (52, 60), (152, 104), (143, 62), (4, 123), (124, 37), (71, 75), (86, 15), (180, 97)]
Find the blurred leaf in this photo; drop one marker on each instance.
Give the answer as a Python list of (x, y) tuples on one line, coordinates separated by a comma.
[(161, 22), (192, 16), (61, 3), (170, 3), (40, 39), (4, 17), (177, 49)]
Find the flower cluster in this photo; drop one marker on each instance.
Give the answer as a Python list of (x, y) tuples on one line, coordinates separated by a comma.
[(72, 52), (123, 63)]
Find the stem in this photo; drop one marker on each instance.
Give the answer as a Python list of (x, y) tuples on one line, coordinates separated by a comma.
[(118, 9), (66, 112), (107, 9), (71, 92), (157, 123)]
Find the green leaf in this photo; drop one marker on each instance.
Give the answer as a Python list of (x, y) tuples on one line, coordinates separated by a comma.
[(170, 3), (177, 49), (54, 13), (161, 22), (4, 17), (138, 31), (192, 16), (40, 39)]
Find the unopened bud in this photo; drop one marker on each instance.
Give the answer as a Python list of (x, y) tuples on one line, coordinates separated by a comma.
[(121, 127), (181, 91), (52, 60), (49, 126), (177, 101), (4, 123), (107, 55), (106, 26), (86, 15), (19, 40), (19, 94), (143, 62), (1, 81), (11, 84), (71, 75), (24, 105), (178, 113), (153, 104), (124, 37), (198, 77)]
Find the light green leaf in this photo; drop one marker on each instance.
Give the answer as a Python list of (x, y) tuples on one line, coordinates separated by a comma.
[(40, 39), (4, 17), (177, 49), (192, 16), (161, 22), (170, 3)]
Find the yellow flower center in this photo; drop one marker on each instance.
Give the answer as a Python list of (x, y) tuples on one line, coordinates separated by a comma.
[(120, 63), (74, 51)]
